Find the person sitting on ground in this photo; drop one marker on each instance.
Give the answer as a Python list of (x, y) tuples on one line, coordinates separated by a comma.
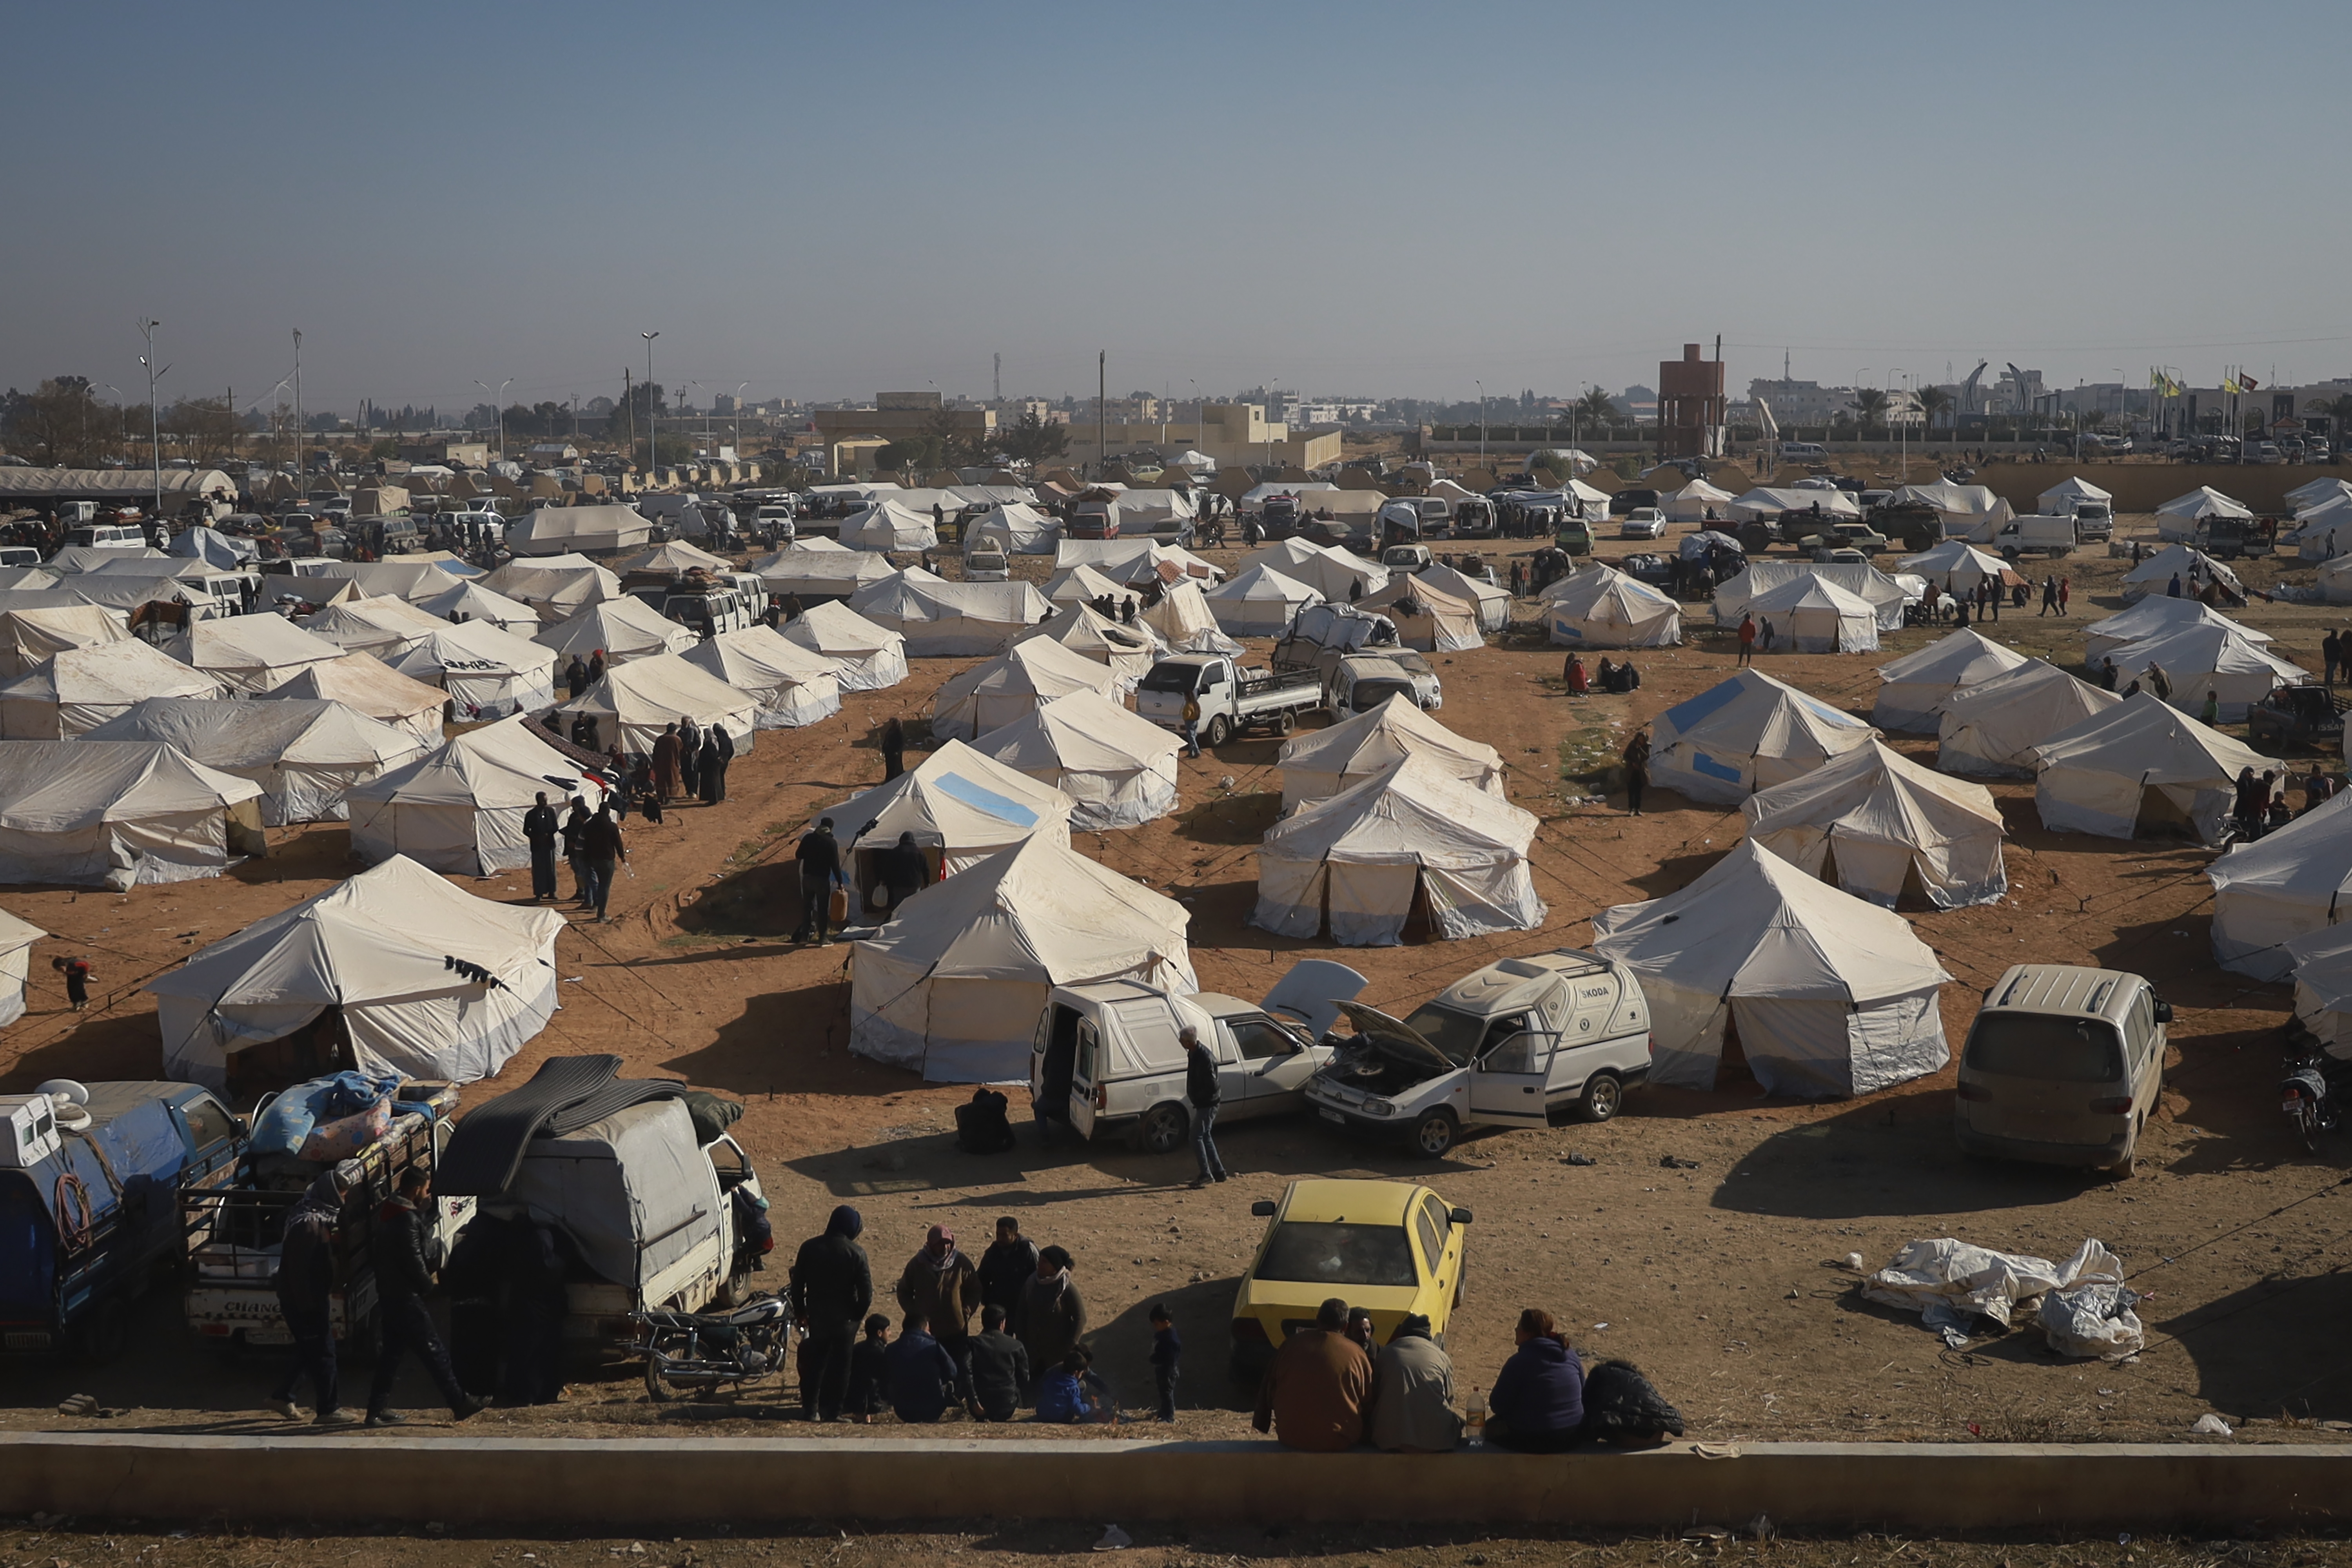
[(999, 1368), (1606, 677), (1579, 682), (1539, 1399), (918, 1372), (868, 1373), (1362, 1335), (1102, 1404), (1629, 680), (1061, 1396), (981, 1125), (1318, 1388), (1413, 1394)]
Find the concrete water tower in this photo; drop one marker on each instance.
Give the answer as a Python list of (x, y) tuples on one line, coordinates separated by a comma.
[(1691, 405)]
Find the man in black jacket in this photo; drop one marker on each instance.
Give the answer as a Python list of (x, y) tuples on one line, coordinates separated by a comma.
[(306, 1278), (905, 870), (1201, 1088), (820, 863), (999, 1368), (542, 829), (403, 1281), (832, 1287), (1006, 1269)]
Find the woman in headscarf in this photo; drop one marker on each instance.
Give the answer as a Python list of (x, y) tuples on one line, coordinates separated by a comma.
[(689, 755), (712, 767), (666, 762)]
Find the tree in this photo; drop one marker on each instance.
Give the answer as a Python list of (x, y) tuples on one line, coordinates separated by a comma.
[(62, 422), (1595, 411), (1870, 404), (1934, 401), (2336, 410), (911, 454), (1031, 439), (204, 428)]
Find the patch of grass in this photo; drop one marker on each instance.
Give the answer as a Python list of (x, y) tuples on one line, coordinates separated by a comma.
[(1592, 757)]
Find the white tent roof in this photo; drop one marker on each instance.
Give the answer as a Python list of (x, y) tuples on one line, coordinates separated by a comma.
[(819, 567), (383, 626), (2317, 493), (958, 801), (1129, 652), (1747, 733), (2196, 659), (1323, 762), (1134, 560), (305, 754), (837, 631), (1257, 495), (115, 813), (1873, 819), (1437, 622), (674, 555), (28, 637), (2157, 615), (1764, 502), (1955, 564), (377, 946), (1264, 585), (474, 602), (1910, 687), (460, 808), (557, 587), (1863, 581), (1957, 503), (2094, 775), (997, 691), (1019, 527), (1494, 604), (1331, 572), (1813, 615), (2293, 881), (1083, 584), (73, 691), (28, 580), (1185, 623), (475, 647), (2053, 501), (886, 525), (250, 653), (1992, 727), (73, 559), (622, 629), (562, 530), (1692, 502), (1119, 770), (2204, 501), (645, 694), (211, 546), (367, 685)]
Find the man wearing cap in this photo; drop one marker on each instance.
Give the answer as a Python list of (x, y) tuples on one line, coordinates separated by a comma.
[(306, 1274), (942, 1286), (820, 863)]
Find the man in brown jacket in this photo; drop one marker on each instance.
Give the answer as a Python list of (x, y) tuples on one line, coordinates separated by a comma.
[(942, 1286), (1318, 1389)]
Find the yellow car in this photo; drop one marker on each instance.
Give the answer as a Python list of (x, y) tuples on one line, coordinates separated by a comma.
[(1390, 1247)]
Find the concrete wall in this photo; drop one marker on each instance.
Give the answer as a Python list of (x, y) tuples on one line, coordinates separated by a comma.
[(355, 1476)]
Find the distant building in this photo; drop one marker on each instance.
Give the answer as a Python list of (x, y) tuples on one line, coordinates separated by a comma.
[(1801, 402), (1690, 406), (1234, 434), (896, 415)]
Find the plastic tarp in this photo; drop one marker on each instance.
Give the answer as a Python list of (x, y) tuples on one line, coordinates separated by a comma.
[(1873, 820), (2203, 660), (1361, 854), (305, 755), (953, 986), (1337, 575), (16, 940), (866, 658), (487, 673), (558, 587), (1956, 565), (1259, 602), (2083, 1305), (1970, 510), (621, 629), (250, 653), (29, 636), (2140, 764), (568, 530), (956, 801), (459, 809), (1911, 688), (211, 546), (1118, 770), (116, 814), (1186, 622), (950, 620), (1765, 504), (819, 569), (2288, 884), (634, 1192), (886, 526), (1990, 730), (473, 602), (2321, 962), (1830, 995), (1745, 734), (791, 685), (1811, 616), (74, 692), (634, 702), (1323, 763), (1129, 652), (377, 946), (1010, 687)]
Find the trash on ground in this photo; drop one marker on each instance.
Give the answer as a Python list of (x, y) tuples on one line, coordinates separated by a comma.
[(2211, 1426), (2083, 1305), (1114, 1539)]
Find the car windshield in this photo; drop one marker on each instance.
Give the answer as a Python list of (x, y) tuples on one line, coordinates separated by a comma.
[(2064, 1050), (1171, 678), (1316, 1252), (1457, 1034)]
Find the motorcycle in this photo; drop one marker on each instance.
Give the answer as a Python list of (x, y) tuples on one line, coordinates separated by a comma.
[(698, 1352), (2313, 1104)]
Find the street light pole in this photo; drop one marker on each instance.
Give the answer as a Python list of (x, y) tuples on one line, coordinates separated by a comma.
[(301, 484), (653, 407), (1482, 421), (154, 418), (499, 407), (739, 422)]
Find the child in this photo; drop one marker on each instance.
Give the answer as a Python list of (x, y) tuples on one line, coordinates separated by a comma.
[(76, 972), (1167, 1352), (868, 1387), (1098, 1403), (1061, 1397)]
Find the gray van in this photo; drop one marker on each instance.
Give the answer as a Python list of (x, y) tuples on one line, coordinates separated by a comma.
[(2063, 1067)]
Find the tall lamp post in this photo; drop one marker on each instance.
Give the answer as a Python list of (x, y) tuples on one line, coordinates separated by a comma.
[(653, 407), (301, 468), (499, 407), (739, 421), (154, 416), (1200, 418), (1482, 422)]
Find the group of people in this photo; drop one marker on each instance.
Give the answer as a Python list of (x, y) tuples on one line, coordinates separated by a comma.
[(1614, 679), (591, 844), (2261, 805)]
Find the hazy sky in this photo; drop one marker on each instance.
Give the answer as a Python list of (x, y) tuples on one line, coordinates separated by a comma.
[(1372, 199)]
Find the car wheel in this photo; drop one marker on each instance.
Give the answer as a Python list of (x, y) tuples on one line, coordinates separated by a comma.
[(1434, 1133), (1163, 1129), (1287, 723), (1604, 1098), (1220, 731)]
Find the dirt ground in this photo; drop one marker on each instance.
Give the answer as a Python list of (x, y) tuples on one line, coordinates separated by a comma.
[(1723, 1282)]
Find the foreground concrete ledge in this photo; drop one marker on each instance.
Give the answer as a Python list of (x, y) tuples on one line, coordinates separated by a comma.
[(354, 1478)]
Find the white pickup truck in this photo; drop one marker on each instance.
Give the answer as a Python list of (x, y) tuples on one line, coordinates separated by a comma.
[(1232, 698), (2053, 536)]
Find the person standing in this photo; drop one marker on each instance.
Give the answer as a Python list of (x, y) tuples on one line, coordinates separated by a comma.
[(2066, 591), (1747, 639), (666, 762), (573, 827), (2331, 658), (596, 667), (941, 1286), (1201, 1089), (819, 856), (894, 748), (575, 678), (1191, 730), (712, 764), (1167, 1357), (689, 755), (77, 970), (540, 829), (1007, 1266), (2049, 594), (832, 1285), (1052, 1315), (602, 852), (905, 870), (403, 1279), (306, 1276)]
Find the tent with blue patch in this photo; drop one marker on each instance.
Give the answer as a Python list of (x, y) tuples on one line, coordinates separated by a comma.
[(961, 806), (1748, 733)]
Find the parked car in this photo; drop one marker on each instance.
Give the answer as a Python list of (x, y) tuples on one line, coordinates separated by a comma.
[(1643, 522), (1407, 558), (984, 561), (1391, 1247), (1654, 570), (2062, 1067)]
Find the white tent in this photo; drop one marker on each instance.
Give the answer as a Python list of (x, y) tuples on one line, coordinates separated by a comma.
[(886, 526), (2317, 493), (645, 695), (1696, 501), (385, 627), (473, 602), (950, 620), (1911, 687), (1830, 995), (791, 685), (411, 577), (2157, 616), (2285, 885), (306, 756), (1323, 762), (621, 629), (29, 579), (1018, 528), (960, 807), (1119, 771), (250, 653), (997, 691), (211, 546), (16, 940), (1814, 616), (29, 636), (1259, 603), (1955, 565), (1872, 821), (1990, 729), (2177, 517), (1137, 510), (487, 673), (953, 986), (1426, 617), (1185, 621), (2200, 661), (819, 569), (1494, 604), (558, 588), (1134, 560), (1129, 652), (73, 692), (117, 814), (1970, 510), (2324, 532), (1083, 586), (459, 809), (2058, 499), (377, 948), (1340, 576), (1411, 833), (866, 658), (2322, 986), (1748, 733), (1863, 581), (567, 530), (2140, 765), (74, 559), (369, 686), (1765, 504), (673, 556)]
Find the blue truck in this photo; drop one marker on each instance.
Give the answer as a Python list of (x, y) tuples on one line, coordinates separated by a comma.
[(90, 1183)]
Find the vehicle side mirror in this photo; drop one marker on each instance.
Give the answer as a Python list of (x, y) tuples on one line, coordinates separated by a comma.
[(1460, 1216), (2164, 1012), (1263, 1208)]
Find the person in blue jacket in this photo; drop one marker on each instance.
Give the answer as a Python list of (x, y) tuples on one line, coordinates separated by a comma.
[(1538, 1400), (919, 1374)]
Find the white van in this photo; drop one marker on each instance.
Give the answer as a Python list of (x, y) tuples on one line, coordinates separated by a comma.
[(1500, 1048), (108, 536), (1803, 452), (1105, 1058), (2063, 1066)]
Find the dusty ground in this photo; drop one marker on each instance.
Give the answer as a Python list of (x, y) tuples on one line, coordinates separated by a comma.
[(1720, 1282)]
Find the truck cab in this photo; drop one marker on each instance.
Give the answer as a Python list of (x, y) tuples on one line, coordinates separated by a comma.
[(2093, 520), (1232, 698)]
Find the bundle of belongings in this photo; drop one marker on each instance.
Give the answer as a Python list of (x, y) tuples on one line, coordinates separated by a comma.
[(333, 1117), (1622, 1407), (982, 1126), (2082, 1305)]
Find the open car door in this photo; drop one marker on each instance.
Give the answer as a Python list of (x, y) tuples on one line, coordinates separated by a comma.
[(1506, 1082), (1312, 991)]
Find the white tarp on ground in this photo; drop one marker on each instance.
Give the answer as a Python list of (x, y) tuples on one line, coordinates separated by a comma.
[(1990, 729), (819, 569), (1119, 771), (250, 653), (1830, 995), (2202, 659), (1864, 581), (211, 546), (2154, 575), (1911, 688), (2083, 1305), (1129, 652), (950, 620), (2321, 964), (1010, 687), (1697, 502), (1811, 616), (1872, 820), (953, 986), (1955, 565), (385, 627), (1426, 618), (487, 673), (2058, 499), (886, 526), (1747, 733), (305, 755), (2287, 884), (473, 602), (29, 636), (73, 692), (1337, 575), (867, 658), (645, 695), (621, 629), (558, 588), (1765, 504), (1970, 510), (960, 807), (1259, 603), (459, 809), (1018, 528), (791, 685), (115, 813), (16, 940), (378, 948), (1186, 622), (2155, 618), (1600, 606), (2140, 765), (566, 530), (2177, 517), (369, 686), (1323, 762), (1411, 830)]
